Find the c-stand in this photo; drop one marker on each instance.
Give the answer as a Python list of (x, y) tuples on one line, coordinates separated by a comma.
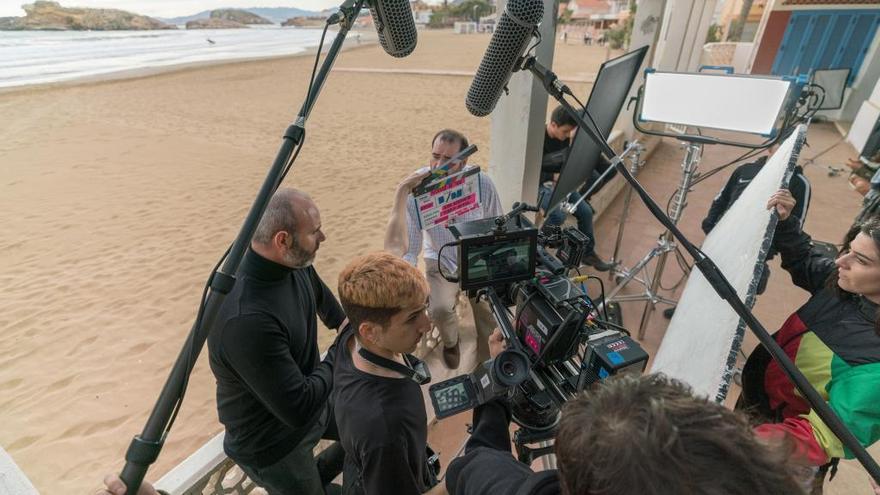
[(665, 245), (145, 448), (714, 276)]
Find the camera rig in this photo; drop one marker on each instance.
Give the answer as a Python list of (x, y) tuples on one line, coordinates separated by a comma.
[(557, 342)]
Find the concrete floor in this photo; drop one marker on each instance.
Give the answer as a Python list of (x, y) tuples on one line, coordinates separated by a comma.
[(832, 208)]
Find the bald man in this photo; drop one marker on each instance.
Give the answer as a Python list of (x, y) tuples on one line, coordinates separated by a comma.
[(272, 386)]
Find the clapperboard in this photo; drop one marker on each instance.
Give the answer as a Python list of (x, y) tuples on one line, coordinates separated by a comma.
[(447, 198)]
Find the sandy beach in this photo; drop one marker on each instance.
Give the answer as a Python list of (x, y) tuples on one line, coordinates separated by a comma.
[(117, 198)]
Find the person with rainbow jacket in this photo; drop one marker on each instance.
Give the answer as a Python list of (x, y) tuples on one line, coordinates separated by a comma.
[(834, 339)]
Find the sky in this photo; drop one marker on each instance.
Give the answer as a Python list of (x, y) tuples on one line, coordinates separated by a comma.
[(175, 8), (171, 8)]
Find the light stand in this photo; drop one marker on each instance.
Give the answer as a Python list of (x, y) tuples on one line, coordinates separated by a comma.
[(635, 164), (665, 245), (145, 448), (715, 278)]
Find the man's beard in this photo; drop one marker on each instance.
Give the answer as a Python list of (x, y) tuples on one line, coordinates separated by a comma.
[(297, 257)]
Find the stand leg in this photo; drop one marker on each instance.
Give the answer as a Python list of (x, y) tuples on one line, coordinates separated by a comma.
[(652, 290)]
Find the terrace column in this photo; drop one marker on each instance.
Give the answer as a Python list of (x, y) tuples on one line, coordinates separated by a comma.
[(517, 128), (682, 34)]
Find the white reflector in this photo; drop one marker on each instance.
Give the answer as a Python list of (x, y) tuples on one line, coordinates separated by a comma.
[(705, 334), (718, 101)]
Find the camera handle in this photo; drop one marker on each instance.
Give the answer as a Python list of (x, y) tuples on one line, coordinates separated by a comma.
[(715, 278), (518, 207), (497, 306)]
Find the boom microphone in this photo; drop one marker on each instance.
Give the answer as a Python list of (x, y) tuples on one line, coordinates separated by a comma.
[(395, 26), (509, 42)]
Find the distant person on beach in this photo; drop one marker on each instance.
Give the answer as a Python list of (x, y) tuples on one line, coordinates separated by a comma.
[(272, 386), (444, 294)]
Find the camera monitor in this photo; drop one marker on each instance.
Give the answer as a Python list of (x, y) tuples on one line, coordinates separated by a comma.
[(497, 258), (606, 99), (749, 104)]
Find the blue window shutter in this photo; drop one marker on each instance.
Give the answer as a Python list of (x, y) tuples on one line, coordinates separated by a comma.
[(826, 39)]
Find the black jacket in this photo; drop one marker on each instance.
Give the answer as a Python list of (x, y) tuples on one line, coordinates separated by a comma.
[(271, 383), (488, 467), (740, 179), (554, 157)]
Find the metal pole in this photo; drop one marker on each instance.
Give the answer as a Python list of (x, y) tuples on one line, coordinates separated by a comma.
[(144, 448), (689, 164), (627, 198)]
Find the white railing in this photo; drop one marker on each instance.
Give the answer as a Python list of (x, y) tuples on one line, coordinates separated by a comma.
[(208, 472), (734, 55), (12, 479)]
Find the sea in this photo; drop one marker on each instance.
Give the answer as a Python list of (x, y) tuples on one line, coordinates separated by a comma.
[(39, 57)]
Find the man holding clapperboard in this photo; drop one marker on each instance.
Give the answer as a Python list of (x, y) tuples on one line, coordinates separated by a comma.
[(420, 218)]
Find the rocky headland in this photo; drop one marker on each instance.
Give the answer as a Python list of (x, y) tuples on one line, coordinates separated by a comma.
[(51, 16)]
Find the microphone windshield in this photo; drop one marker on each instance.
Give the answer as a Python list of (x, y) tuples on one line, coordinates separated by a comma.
[(509, 41), (395, 26)]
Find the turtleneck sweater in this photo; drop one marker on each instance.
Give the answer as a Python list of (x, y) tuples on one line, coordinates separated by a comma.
[(271, 383)]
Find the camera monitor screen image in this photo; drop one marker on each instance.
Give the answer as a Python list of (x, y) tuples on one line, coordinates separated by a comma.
[(452, 396), (498, 259)]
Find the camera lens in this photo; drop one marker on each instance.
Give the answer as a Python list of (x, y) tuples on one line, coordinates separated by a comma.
[(508, 368)]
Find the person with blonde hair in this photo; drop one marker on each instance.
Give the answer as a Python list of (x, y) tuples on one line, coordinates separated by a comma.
[(378, 399)]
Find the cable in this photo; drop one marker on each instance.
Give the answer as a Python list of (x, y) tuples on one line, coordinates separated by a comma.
[(315, 67), (590, 117), (440, 256), (602, 292), (522, 306)]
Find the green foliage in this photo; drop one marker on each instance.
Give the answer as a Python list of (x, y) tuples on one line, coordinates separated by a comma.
[(616, 37), (620, 35), (714, 34), (565, 17)]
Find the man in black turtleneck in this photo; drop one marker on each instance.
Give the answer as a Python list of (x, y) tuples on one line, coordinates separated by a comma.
[(272, 387)]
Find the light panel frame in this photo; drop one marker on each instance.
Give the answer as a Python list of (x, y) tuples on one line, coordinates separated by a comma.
[(749, 104)]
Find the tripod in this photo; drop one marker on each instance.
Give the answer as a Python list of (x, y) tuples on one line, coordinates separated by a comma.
[(665, 244)]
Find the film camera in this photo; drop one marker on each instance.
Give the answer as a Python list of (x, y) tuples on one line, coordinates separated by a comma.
[(557, 341)]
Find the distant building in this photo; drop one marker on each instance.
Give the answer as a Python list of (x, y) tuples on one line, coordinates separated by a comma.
[(422, 12), (730, 17), (799, 36), (597, 14)]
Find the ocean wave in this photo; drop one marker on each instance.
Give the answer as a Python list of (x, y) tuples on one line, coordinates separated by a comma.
[(35, 57)]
